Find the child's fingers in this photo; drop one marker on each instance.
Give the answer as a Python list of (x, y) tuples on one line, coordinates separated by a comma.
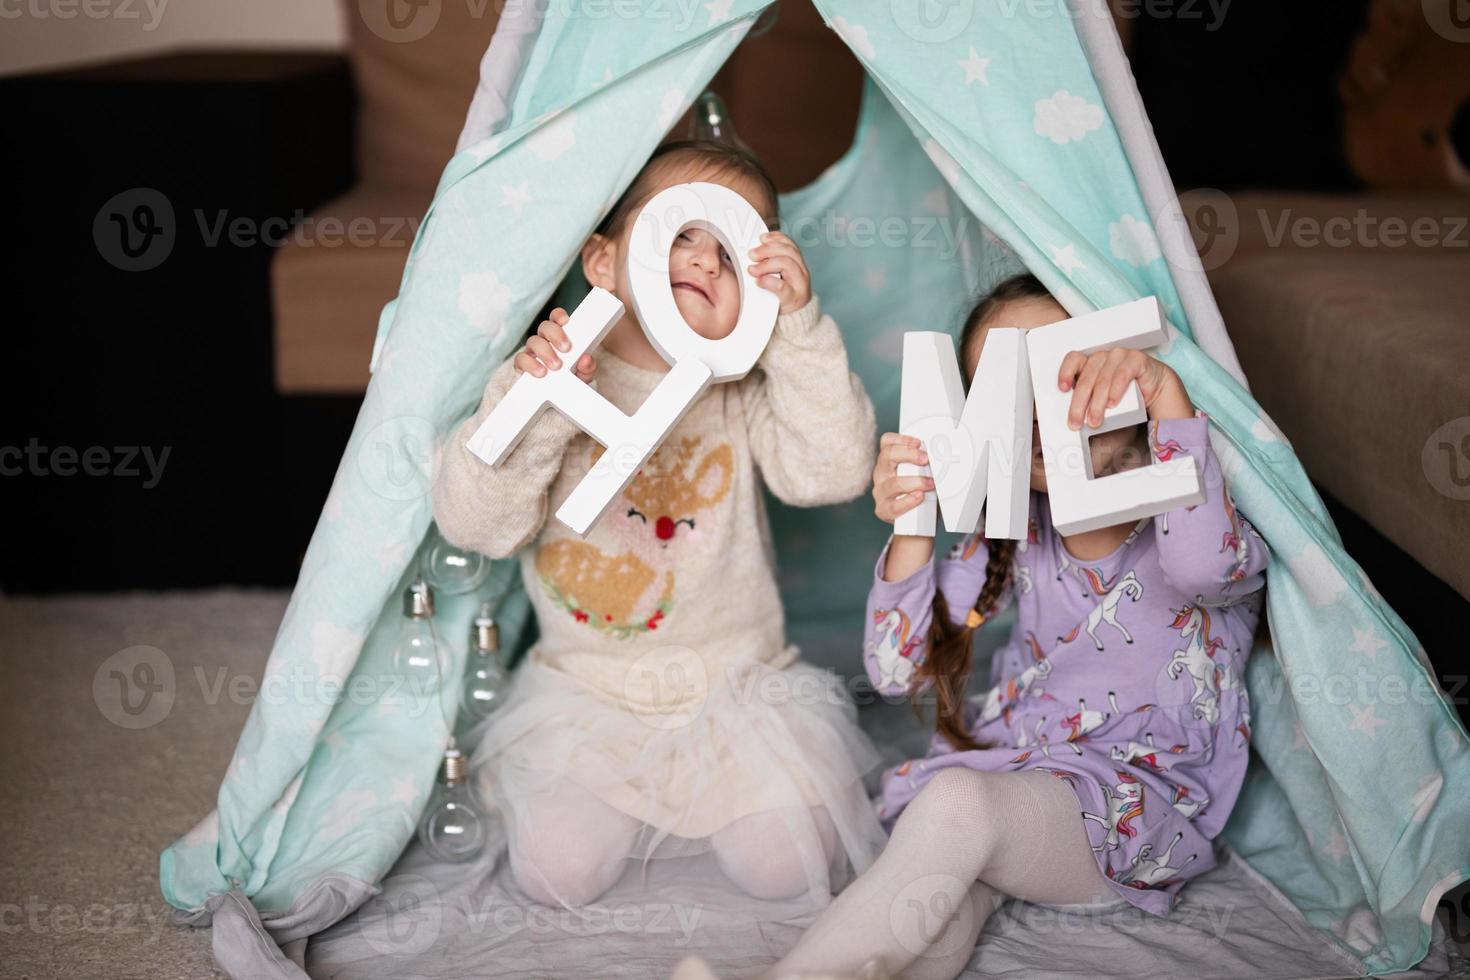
[(1129, 370), (560, 315), (903, 453), (907, 502), (1103, 385), (586, 367), (774, 247), (782, 264), (1082, 391), (771, 283), (527, 364), (1097, 402), (898, 438), (890, 510), (553, 332), (542, 350), (1067, 373), (897, 486)]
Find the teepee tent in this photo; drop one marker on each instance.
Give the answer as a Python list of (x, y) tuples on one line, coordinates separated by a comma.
[(1006, 135)]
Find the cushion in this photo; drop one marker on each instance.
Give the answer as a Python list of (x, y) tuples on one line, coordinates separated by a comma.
[(415, 66), (330, 281), (1361, 359)]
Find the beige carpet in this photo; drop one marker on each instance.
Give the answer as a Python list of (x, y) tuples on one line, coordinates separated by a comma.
[(87, 803), (92, 794)]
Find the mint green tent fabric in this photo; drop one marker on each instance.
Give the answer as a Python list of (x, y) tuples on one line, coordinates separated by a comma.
[(984, 147)]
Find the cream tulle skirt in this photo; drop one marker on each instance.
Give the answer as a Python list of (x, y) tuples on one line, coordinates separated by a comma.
[(750, 746)]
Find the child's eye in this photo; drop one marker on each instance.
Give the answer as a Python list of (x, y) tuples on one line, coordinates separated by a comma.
[(684, 236), (725, 257)]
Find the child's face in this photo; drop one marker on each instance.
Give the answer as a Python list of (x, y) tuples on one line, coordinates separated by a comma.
[(1111, 451), (704, 277), (705, 282)]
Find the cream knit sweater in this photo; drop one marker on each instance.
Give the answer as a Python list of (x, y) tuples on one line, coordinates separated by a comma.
[(681, 563)]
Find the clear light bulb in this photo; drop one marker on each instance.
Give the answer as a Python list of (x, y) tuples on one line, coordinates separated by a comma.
[(710, 121), (485, 686), (416, 656), (452, 828), (454, 571)]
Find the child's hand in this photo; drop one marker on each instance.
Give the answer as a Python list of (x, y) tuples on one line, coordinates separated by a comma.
[(1097, 382), (780, 268), (893, 494), (539, 354)]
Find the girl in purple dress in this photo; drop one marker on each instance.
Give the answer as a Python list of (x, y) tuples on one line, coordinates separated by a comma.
[(1109, 749)]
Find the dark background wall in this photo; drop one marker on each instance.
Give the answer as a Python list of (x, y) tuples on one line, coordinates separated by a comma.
[(176, 358)]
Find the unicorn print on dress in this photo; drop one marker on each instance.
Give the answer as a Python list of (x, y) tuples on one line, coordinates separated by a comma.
[(1186, 804), (1002, 696), (1145, 754), (1237, 543), (1198, 659), (1081, 724), (1125, 804), (1107, 611), (1150, 872), (894, 648)]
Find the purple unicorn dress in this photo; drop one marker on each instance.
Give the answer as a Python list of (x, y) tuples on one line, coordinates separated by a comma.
[(1123, 676)]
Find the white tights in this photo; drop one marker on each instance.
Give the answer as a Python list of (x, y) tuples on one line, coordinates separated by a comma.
[(571, 848), (968, 840)]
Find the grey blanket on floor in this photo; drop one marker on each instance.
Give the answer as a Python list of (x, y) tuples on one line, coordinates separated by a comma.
[(446, 922)]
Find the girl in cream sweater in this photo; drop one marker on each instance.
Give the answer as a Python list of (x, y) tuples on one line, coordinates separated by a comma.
[(662, 712)]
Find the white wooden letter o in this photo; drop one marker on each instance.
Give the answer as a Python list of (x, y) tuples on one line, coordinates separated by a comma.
[(731, 219)]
